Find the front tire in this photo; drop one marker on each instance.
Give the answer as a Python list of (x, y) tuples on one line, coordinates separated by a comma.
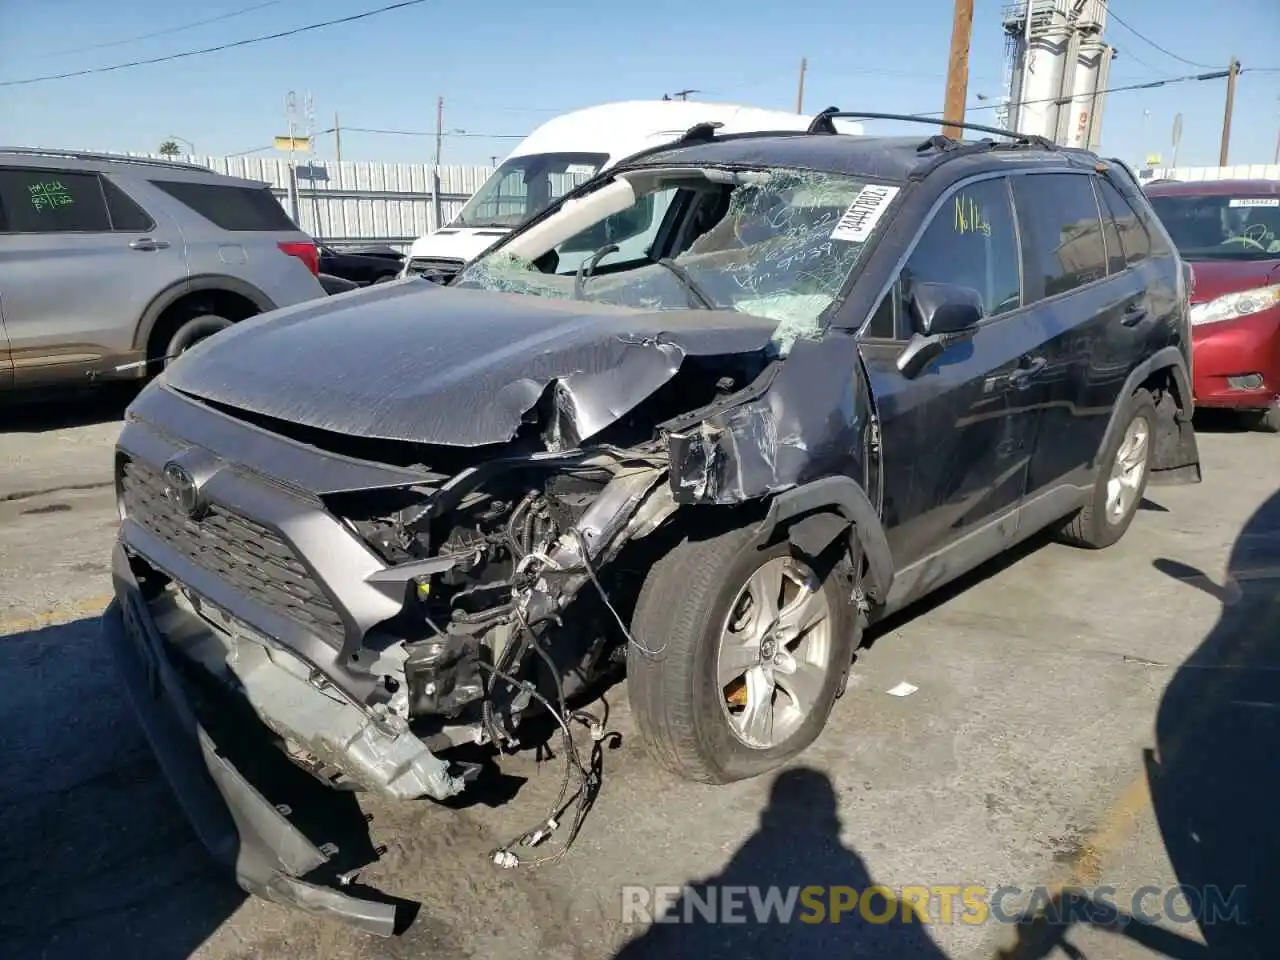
[(191, 332), (1123, 469), (740, 653)]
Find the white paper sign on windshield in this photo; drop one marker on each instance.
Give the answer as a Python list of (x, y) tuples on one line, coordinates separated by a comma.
[(864, 213), (1254, 202)]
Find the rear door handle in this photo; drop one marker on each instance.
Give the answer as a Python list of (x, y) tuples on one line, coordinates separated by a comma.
[(146, 243), (1025, 372), (1133, 315)]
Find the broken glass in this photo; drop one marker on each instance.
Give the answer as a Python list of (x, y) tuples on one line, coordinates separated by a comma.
[(782, 249)]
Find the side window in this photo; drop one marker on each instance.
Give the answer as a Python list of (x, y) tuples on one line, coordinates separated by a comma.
[(231, 207), (1110, 232), (633, 230), (1135, 245), (126, 216), (881, 326), (971, 242), (1061, 231), (51, 201)]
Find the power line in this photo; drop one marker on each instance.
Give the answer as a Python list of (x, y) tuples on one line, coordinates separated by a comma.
[(215, 49), (432, 133), (397, 133), (1142, 63), (158, 33), (1148, 85), (1168, 53)]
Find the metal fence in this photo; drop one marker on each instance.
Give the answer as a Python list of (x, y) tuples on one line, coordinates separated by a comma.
[(1250, 171), (357, 201)]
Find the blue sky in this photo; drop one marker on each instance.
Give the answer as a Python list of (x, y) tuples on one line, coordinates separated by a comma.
[(504, 67)]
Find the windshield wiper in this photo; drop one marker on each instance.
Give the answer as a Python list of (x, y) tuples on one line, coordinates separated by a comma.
[(587, 266), (690, 284)]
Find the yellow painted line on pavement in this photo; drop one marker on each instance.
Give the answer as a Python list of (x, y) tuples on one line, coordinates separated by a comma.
[(61, 614), (1113, 828), (1115, 825)]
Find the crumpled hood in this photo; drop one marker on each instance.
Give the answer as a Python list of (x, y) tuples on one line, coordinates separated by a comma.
[(414, 361)]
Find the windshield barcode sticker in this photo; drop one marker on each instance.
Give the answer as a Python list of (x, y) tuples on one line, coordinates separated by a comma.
[(863, 214), (1254, 202)]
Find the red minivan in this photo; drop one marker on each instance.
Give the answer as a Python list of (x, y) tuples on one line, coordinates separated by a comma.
[(1229, 231)]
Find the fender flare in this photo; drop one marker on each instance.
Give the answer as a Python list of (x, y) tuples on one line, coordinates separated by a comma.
[(167, 297), (1166, 358), (845, 497)]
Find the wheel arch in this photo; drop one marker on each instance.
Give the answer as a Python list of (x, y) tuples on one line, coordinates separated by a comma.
[(1175, 455), (204, 283), (798, 510)]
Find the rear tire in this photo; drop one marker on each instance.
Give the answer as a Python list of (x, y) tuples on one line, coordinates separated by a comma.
[(1123, 469), (697, 613), (191, 332)]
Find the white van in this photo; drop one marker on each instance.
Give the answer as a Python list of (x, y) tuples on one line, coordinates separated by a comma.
[(569, 149)]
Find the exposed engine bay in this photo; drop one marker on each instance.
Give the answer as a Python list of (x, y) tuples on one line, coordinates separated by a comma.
[(506, 561)]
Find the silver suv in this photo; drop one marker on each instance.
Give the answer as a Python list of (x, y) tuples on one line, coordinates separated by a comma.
[(111, 266)]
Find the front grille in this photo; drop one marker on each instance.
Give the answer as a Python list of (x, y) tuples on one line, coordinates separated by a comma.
[(438, 269), (244, 554)]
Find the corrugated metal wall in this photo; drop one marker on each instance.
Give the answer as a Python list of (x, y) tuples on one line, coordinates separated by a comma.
[(358, 201)]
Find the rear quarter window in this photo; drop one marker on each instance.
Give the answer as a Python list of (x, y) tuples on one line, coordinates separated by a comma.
[(126, 215), (1135, 243), (231, 207)]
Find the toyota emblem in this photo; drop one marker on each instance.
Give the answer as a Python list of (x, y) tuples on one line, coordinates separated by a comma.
[(181, 490)]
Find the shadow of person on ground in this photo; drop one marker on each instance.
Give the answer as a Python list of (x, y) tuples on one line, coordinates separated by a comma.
[(1214, 779), (1215, 772), (96, 858), (796, 846)]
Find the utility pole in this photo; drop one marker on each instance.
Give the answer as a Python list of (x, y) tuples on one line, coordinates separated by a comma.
[(958, 67), (337, 137), (1233, 70), (435, 171), (291, 111), (804, 65)]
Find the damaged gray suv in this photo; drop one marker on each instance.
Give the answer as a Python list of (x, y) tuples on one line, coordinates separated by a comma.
[(701, 422)]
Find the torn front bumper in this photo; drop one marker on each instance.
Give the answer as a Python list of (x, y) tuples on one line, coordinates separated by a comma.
[(244, 831)]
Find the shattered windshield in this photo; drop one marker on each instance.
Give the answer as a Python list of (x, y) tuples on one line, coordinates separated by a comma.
[(778, 244), (524, 186), (1222, 227)]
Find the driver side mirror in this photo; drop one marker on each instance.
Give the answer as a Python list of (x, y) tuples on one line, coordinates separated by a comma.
[(942, 313)]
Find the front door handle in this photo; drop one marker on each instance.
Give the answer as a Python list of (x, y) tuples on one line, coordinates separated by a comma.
[(1133, 315), (1025, 372), (146, 243)]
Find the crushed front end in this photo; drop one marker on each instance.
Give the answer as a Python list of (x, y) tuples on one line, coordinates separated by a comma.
[(361, 620)]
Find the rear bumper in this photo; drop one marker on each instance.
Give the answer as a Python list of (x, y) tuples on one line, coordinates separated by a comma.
[(1233, 350), (243, 831)]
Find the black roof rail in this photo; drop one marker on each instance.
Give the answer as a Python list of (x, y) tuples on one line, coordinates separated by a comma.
[(89, 155), (822, 124)]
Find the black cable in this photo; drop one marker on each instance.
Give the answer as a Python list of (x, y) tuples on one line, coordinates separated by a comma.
[(432, 133), (595, 580), (584, 796), (158, 33), (1147, 85), (1134, 30), (364, 15)]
